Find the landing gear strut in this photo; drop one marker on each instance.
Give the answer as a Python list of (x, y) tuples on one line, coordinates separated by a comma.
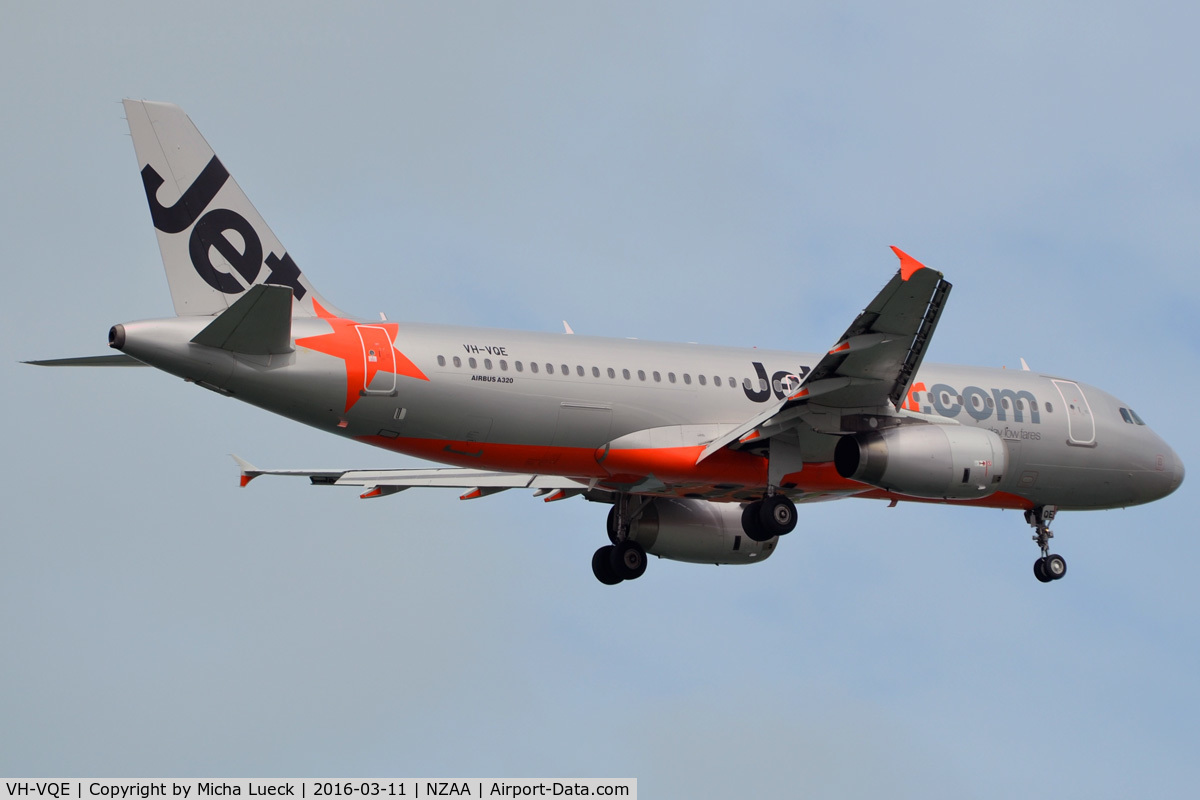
[(624, 559), (1051, 566)]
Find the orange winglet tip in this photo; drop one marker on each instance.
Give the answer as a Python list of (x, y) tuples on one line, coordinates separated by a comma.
[(246, 479), (843, 346), (908, 265), (471, 495)]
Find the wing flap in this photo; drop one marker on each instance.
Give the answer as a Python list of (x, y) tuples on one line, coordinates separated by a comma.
[(478, 482)]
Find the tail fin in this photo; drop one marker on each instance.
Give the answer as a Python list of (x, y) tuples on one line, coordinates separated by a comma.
[(215, 245)]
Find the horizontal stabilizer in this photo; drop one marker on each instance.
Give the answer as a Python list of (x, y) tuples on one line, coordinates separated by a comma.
[(121, 360), (259, 323)]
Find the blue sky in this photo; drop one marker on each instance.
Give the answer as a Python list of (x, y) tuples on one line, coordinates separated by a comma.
[(682, 171)]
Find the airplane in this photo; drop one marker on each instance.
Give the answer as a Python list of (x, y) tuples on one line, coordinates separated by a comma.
[(702, 453)]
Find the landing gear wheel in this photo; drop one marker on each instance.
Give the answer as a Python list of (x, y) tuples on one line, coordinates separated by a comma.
[(612, 524), (1055, 566), (1039, 571), (628, 560), (602, 566), (752, 524), (776, 515)]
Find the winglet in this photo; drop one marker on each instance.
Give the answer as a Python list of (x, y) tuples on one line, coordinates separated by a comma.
[(908, 264), (249, 472)]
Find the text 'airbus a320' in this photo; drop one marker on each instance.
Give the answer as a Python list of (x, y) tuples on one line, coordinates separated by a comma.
[(702, 452)]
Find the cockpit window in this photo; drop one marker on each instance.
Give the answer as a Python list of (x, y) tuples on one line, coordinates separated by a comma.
[(1136, 418), (1125, 416)]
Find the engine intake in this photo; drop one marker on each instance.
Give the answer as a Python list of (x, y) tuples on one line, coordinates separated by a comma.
[(949, 462), (697, 531)]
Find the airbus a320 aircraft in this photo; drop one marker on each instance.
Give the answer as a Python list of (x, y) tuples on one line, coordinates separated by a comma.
[(702, 453)]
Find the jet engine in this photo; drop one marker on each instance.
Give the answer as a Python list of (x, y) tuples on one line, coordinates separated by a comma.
[(697, 531), (935, 462)]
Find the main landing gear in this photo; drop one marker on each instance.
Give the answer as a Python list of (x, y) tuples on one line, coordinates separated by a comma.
[(774, 515), (624, 559), (1051, 566)]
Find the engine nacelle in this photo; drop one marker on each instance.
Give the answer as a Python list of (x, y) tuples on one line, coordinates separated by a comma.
[(697, 531), (951, 462)]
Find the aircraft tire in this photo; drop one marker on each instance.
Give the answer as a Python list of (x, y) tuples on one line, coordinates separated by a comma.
[(628, 560), (1055, 566), (1039, 571), (751, 524), (602, 566), (612, 524), (777, 516)]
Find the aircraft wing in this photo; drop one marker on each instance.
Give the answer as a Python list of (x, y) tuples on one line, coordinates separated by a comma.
[(380, 483), (872, 364)]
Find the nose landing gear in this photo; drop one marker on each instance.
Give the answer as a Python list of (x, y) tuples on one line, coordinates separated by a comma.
[(1051, 566)]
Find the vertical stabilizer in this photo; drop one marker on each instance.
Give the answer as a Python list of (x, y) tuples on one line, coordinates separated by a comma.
[(215, 246)]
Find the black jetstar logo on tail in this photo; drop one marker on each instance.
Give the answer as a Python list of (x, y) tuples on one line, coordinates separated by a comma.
[(210, 230)]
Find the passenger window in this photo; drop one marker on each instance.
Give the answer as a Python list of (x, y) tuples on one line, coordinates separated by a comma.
[(457, 361), (671, 377), (1004, 402), (716, 380), (487, 363), (503, 365), (441, 361), (518, 366), (566, 370), (472, 362), (762, 384), (990, 403), (687, 379), (657, 376), (641, 374), (595, 372), (625, 374), (611, 373), (733, 383), (579, 371), (703, 380), (1049, 408), (549, 369), (533, 366)]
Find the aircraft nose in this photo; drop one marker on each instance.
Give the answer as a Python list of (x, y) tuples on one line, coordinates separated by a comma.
[(1177, 473)]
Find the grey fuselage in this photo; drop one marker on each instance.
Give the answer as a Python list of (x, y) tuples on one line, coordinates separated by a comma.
[(517, 401)]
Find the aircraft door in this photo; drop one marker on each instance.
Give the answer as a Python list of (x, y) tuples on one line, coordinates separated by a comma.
[(1081, 425), (378, 357)]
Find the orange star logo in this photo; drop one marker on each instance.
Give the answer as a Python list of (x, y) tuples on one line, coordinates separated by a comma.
[(367, 350)]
